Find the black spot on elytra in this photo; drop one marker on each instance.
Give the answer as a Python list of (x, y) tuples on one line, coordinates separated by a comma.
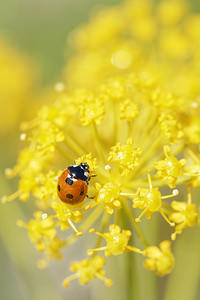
[(58, 188), (82, 191), (70, 196)]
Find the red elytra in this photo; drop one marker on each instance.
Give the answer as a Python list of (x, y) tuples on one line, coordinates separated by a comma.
[(71, 194)]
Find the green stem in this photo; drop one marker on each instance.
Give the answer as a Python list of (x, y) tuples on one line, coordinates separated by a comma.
[(148, 279), (104, 224), (71, 144), (132, 289), (130, 128), (91, 219), (183, 282), (115, 120), (100, 147), (63, 153)]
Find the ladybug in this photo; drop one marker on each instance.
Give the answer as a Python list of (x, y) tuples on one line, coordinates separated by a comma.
[(73, 184)]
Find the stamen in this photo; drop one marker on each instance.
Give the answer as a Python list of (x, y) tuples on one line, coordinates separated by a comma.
[(138, 219), (88, 222), (10, 198), (21, 223), (194, 174), (70, 278), (149, 180), (173, 235), (166, 150), (78, 233), (92, 230), (29, 125), (189, 195), (89, 206), (166, 218), (117, 204), (107, 281), (134, 249), (172, 195), (91, 251), (128, 194)]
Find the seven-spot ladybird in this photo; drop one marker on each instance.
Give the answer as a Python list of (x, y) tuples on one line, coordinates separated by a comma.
[(73, 184)]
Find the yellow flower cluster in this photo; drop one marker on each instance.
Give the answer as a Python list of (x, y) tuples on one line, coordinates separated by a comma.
[(129, 107), (161, 260), (87, 270), (43, 235), (126, 155)]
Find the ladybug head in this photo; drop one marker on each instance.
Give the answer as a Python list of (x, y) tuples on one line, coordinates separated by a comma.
[(84, 166)]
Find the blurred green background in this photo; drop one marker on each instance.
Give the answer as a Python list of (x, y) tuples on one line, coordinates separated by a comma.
[(39, 29)]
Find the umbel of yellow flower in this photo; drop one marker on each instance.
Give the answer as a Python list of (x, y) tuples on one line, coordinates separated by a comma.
[(65, 215), (128, 110), (150, 200), (127, 155), (170, 168), (109, 195), (184, 215), (161, 260), (87, 270), (43, 235), (130, 90), (117, 242)]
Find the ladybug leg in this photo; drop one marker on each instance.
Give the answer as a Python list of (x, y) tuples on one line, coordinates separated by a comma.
[(90, 197), (90, 178), (90, 205), (94, 175)]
